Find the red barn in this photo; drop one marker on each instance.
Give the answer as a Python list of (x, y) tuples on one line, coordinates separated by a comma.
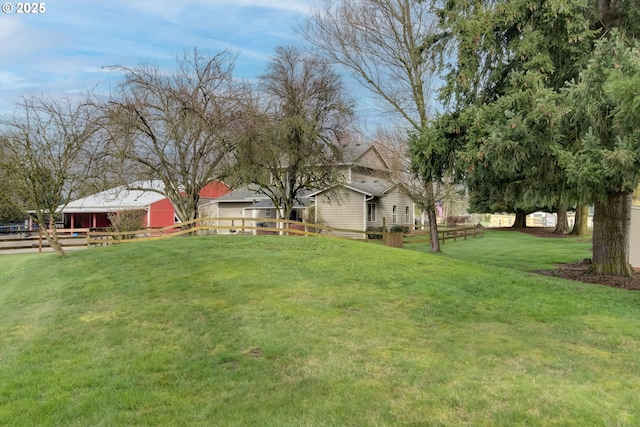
[(213, 190), (92, 211)]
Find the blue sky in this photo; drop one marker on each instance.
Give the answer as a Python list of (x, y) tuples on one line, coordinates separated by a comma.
[(64, 49)]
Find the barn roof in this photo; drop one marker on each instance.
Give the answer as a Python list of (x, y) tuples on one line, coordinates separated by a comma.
[(119, 198)]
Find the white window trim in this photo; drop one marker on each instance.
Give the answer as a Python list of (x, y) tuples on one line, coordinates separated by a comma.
[(373, 211)]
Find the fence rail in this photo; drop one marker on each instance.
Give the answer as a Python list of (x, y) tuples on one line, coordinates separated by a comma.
[(453, 234), (32, 239), (91, 237), (257, 226), (208, 225)]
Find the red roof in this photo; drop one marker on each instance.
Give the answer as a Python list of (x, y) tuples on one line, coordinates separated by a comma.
[(214, 189)]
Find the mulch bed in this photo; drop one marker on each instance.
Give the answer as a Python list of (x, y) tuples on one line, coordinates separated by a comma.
[(579, 271)]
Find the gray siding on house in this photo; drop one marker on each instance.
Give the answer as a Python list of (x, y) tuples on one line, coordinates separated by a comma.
[(347, 212), (226, 210), (401, 201), (371, 160), (209, 210)]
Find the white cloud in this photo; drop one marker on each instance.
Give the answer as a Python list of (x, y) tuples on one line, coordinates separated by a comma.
[(13, 81), (20, 39), (173, 7), (10, 26), (68, 47), (290, 5)]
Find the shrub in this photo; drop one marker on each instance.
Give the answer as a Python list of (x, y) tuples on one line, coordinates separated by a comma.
[(124, 221), (404, 229), (375, 230)]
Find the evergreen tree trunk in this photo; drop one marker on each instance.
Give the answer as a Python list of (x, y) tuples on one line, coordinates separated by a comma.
[(521, 219), (611, 223), (562, 225), (433, 219), (612, 218), (580, 227)]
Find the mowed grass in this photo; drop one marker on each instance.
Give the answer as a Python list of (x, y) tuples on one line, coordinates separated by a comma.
[(514, 250), (277, 331)]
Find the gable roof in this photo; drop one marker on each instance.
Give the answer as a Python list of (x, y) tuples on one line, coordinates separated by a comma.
[(259, 200), (358, 152), (268, 204), (119, 198), (372, 187), (242, 194)]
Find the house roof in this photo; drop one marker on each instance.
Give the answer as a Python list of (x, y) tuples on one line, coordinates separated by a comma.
[(354, 153), (268, 204), (259, 200), (370, 186), (119, 199), (242, 194), (373, 187)]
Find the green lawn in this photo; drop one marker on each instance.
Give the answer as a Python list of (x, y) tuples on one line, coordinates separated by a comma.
[(277, 331)]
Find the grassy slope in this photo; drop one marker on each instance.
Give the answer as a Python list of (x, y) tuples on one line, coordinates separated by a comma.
[(299, 331)]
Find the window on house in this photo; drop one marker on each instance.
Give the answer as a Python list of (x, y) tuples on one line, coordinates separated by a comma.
[(394, 218), (268, 213), (407, 216), (371, 212)]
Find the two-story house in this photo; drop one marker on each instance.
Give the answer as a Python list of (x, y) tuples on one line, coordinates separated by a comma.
[(366, 196)]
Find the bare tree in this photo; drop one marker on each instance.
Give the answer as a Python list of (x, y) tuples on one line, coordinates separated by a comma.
[(299, 136), (10, 206), (382, 43), (177, 127), (47, 152)]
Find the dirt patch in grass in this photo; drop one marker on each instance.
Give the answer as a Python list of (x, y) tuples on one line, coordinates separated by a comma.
[(579, 271)]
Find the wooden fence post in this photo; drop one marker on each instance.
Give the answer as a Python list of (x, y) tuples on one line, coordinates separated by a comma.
[(384, 229)]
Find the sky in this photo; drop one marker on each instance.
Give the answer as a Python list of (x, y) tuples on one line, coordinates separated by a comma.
[(65, 49)]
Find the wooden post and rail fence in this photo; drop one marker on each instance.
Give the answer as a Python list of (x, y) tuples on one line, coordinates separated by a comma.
[(454, 233), (239, 226), (32, 239), (280, 226)]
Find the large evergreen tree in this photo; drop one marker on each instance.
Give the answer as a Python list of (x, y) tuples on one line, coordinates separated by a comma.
[(513, 60), (506, 84), (606, 165)]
